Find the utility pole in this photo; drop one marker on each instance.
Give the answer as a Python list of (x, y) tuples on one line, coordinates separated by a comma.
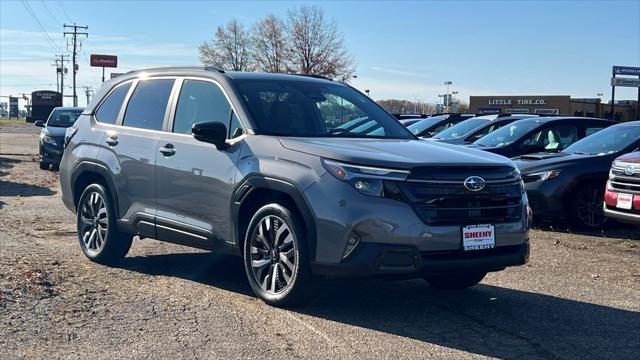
[(60, 71), (88, 91), (74, 40)]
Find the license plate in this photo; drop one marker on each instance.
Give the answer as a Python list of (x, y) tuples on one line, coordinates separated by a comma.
[(478, 237), (625, 201)]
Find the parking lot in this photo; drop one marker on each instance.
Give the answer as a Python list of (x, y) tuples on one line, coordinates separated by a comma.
[(579, 297)]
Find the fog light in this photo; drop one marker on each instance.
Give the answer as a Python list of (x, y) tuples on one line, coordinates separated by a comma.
[(352, 242)]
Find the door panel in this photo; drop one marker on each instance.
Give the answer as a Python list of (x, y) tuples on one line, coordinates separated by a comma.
[(195, 181), (134, 147), (195, 186)]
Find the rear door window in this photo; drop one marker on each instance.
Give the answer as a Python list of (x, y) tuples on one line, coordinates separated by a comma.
[(110, 108), (148, 104)]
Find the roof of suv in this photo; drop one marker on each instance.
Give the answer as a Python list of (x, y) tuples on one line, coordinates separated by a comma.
[(203, 70)]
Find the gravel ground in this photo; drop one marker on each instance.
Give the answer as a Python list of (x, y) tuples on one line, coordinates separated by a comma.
[(579, 297)]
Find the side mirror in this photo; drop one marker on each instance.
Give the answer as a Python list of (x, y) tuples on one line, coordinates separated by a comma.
[(212, 132), (39, 123)]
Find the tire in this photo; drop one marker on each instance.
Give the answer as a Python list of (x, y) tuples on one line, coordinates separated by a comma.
[(55, 167), (100, 239), (44, 165), (585, 209), (280, 275), (455, 280)]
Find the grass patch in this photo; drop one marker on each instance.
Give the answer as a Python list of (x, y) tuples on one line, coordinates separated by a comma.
[(13, 122)]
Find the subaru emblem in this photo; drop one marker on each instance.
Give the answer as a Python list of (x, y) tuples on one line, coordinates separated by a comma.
[(630, 170), (474, 183)]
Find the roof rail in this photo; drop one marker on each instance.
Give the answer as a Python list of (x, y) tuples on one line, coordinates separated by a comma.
[(214, 68), (315, 76)]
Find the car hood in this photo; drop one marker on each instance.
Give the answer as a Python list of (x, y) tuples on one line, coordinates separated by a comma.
[(393, 153), (630, 158), (543, 161)]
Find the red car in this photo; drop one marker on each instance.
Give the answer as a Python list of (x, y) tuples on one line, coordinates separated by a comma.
[(622, 197)]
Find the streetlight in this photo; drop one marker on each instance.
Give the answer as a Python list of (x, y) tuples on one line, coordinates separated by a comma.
[(367, 92), (446, 99)]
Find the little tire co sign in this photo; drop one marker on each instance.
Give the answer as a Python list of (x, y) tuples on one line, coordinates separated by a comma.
[(110, 61)]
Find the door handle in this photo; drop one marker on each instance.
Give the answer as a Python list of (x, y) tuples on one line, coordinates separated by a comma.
[(168, 150), (112, 140)]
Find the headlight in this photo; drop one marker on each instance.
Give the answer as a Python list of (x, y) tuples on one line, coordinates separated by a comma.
[(48, 139), (540, 176), (366, 180)]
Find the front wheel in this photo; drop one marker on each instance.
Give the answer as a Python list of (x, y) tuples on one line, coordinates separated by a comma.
[(586, 207), (100, 239), (276, 257), (455, 280)]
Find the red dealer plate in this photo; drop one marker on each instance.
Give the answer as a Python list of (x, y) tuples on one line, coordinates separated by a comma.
[(625, 201), (478, 237)]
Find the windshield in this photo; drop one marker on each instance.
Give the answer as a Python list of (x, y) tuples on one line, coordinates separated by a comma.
[(507, 134), (461, 129), (316, 109), (63, 118), (607, 141), (424, 124)]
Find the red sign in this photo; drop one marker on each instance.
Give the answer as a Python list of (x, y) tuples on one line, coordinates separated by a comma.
[(104, 60)]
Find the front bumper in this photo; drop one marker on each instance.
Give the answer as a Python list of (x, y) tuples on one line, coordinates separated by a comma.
[(396, 261), (547, 198), (50, 153), (394, 240)]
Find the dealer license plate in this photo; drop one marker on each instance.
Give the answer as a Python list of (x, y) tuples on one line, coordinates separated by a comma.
[(478, 237), (625, 201)]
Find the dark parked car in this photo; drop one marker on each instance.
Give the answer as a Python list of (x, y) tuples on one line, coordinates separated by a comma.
[(570, 184), (622, 197), (251, 164), (473, 129), (51, 143), (544, 134), (430, 126)]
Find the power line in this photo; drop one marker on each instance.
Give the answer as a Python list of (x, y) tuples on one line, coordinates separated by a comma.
[(40, 26), (64, 11), (50, 13)]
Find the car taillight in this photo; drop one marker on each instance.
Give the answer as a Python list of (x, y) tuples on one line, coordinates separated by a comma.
[(69, 133)]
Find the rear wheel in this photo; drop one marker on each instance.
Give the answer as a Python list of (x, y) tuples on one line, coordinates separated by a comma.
[(276, 257), (586, 207), (100, 239), (453, 281), (44, 165)]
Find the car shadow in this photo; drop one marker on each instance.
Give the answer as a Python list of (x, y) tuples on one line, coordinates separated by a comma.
[(9, 188), (485, 320)]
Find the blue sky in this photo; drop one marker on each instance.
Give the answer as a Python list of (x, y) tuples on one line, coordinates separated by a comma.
[(402, 49)]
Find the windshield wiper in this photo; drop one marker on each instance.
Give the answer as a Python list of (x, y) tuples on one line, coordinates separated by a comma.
[(581, 153)]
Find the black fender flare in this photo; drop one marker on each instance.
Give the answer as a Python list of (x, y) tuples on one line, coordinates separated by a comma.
[(253, 182), (89, 166)]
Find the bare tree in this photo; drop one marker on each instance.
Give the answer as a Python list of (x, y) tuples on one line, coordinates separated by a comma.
[(229, 49), (315, 45), (270, 45)]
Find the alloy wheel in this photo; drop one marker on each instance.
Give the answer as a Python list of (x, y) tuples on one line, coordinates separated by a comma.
[(590, 207), (273, 255), (94, 222)]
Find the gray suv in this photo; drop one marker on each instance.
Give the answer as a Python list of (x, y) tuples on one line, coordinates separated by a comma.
[(257, 165)]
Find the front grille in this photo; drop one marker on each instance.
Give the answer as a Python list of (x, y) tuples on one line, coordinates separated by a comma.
[(439, 197), (622, 182)]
